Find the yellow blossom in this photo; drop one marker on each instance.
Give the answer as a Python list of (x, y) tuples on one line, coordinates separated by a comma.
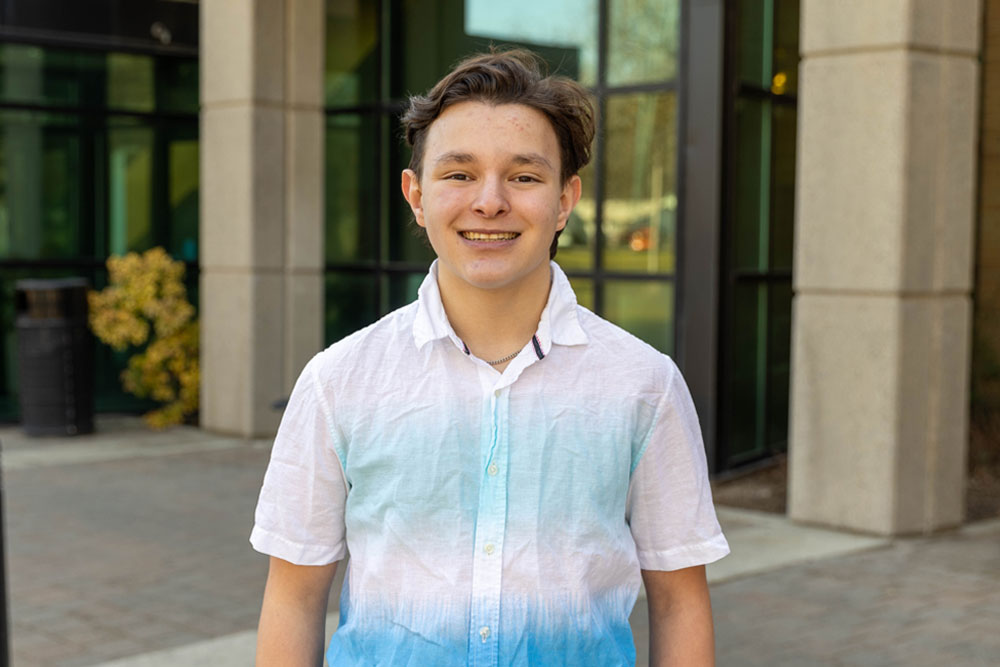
[(145, 304)]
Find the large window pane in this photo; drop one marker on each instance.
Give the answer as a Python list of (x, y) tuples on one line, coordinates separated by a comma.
[(437, 33), (40, 186), (544, 26), (779, 341), (182, 165), (352, 44), (407, 241), (755, 37), (34, 75), (584, 288), (130, 82), (351, 303), (432, 39), (786, 47), (130, 188), (351, 188), (576, 243), (91, 79), (748, 382), (177, 85), (642, 41), (783, 186), (640, 203), (403, 288), (644, 308), (753, 167)]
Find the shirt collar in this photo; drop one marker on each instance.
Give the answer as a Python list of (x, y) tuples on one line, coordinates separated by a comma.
[(558, 325)]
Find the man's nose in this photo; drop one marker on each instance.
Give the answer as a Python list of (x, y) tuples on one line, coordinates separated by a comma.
[(491, 200)]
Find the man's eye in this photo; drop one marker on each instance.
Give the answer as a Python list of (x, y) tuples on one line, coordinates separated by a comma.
[(457, 177), (526, 179)]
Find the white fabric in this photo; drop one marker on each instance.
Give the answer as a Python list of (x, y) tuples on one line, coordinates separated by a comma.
[(484, 511)]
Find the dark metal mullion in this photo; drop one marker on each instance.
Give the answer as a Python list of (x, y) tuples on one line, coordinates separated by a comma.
[(624, 275), (84, 263), (599, 159), (743, 275), (370, 267), (85, 42), (380, 183), (702, 85), (99, 112), (758, 93), (380, 193), (162, 222), (680, 168), (727, 300), (92, 178), (368, 107), (647, 87)]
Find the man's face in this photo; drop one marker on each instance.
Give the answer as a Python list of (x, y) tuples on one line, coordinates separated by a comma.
[(490, 195)]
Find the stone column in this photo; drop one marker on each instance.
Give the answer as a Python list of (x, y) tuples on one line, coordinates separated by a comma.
[(883, 263), (261, 227)]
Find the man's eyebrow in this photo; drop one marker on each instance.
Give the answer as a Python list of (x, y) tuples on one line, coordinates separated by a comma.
[(531, 159), (455, 156)]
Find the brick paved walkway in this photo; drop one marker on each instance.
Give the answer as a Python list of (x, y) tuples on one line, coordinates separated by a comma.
[(933, 602), (130, 543), (120, 557)]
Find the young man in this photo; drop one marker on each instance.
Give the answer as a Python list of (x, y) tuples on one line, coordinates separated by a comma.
[(501, 463)]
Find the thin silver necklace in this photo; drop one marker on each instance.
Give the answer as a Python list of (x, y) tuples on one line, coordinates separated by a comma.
[(503, 359)]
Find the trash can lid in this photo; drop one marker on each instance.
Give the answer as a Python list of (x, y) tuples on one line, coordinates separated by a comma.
[(45, 299)]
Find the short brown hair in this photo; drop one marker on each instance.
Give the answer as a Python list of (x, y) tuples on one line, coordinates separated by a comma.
[(509, 77)]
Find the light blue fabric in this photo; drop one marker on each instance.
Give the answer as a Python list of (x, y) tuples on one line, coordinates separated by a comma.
[(492, 519)]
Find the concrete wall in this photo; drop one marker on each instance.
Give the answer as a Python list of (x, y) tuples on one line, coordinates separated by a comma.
[(261, 206), (888, 113)]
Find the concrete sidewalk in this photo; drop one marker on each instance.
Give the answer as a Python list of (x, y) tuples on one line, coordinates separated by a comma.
[(129, 548)]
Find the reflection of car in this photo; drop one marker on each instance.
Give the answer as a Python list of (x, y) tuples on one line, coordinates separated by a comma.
[(639, 239)]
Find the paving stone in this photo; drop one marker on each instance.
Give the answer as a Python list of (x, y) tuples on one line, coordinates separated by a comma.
[(120, 554)]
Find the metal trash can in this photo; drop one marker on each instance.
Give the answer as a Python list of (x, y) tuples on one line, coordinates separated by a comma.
[(55, 357)]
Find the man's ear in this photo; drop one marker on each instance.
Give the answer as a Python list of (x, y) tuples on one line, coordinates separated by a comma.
[(568, 198), (413, 194)]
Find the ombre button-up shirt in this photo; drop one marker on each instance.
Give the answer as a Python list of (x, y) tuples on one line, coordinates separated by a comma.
[(491, 518)]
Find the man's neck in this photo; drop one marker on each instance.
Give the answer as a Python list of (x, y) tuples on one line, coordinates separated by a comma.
[(498, 322)]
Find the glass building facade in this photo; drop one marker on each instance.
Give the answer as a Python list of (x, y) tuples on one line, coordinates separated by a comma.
[(620, 246), (98, 154)]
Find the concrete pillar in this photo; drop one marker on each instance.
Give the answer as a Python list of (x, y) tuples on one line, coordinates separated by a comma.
[(261, 226), (883, 263)]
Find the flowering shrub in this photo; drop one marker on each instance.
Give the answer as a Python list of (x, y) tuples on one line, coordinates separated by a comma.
[(145, 301)]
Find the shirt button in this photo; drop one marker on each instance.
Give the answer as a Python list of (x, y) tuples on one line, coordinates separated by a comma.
[(493, 469), (489, 548), (484, 632)]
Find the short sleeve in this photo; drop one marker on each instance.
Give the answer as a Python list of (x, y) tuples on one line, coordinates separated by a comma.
[(300, 511), (669, 507)]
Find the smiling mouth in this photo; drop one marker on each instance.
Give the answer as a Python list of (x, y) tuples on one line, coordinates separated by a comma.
[(480, 236)]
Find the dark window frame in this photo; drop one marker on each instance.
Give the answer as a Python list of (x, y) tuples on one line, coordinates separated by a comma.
[(92, 122), (733, 278)]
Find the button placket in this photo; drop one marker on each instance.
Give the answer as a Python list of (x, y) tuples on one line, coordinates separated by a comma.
[(487, 566)]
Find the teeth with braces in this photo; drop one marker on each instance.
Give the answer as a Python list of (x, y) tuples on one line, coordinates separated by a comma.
[(477, 236)]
